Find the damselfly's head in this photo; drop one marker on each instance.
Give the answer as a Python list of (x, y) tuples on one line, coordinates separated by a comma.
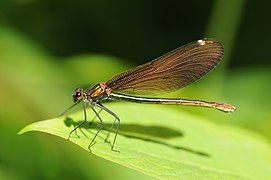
[(78, 95)]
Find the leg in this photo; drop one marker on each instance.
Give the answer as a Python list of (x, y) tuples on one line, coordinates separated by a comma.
[(110, 130), (95, 117), (85, 119), (116, 118), (68, 109), (101, 121)]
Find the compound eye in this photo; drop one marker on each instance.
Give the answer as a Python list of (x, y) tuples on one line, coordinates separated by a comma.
[(78, 94)]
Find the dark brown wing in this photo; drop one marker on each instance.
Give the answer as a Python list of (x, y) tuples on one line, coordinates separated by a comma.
[(171, 71)]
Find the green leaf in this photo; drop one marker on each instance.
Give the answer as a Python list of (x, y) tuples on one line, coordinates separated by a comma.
[(166, 142)]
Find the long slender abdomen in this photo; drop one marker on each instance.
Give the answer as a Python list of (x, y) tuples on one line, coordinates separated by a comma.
[(175, 101)]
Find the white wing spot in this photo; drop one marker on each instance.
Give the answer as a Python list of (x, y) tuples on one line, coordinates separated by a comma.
[(201, 42)]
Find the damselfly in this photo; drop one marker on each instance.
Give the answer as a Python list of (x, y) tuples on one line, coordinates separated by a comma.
[(165, 74)]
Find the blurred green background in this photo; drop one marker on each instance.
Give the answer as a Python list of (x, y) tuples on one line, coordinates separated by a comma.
[(48, 48)]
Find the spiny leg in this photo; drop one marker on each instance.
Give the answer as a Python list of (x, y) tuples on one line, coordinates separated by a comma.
[(101, 121), (90, 123), (85, 120), (116, 118), (110, 130), (68, 109)]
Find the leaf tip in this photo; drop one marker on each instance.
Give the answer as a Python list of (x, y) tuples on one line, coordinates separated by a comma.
[(22, 131)]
